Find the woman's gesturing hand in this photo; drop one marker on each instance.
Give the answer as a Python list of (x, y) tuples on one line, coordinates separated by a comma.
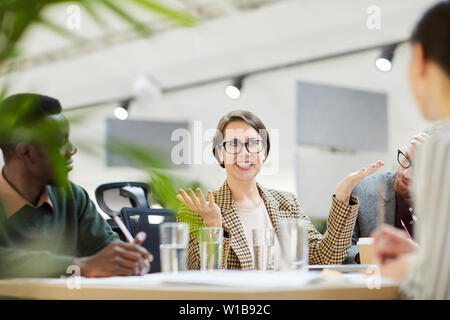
[(346, 186), (208, 210)]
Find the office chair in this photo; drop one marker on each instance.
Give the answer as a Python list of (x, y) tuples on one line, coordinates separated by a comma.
[(148, 220), (135, 192)]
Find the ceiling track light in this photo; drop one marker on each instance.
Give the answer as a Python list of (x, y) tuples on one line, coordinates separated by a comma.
[(384, 61), (121, 112), (233, 91), (147, 88)]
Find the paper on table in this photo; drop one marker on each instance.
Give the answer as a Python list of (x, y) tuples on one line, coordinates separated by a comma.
[(134, 281), (74, 281), (251, 279), (370, 281), (224, 278)]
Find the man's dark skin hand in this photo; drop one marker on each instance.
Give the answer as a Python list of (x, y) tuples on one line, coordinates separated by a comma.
[(117, 259)]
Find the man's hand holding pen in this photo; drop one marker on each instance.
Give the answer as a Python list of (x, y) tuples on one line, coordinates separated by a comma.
[(117, 259)]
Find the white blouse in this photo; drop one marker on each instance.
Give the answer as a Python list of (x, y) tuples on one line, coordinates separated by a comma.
[(258, 218)]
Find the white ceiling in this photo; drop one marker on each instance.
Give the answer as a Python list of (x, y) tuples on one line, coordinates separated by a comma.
[(233, 42), (41, 43)]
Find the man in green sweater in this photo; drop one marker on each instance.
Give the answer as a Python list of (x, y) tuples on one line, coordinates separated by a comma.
[(48, 223)]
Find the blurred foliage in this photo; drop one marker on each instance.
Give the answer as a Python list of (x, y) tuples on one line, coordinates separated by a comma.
[(320, 224), (16, 18), (164, 187), (16, 127)]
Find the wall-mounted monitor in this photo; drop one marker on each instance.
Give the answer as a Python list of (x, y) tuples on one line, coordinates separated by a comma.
[(341, 118), (146, 136)]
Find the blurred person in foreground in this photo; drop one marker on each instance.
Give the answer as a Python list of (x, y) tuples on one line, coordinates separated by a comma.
[(425, 271), (48, 223)]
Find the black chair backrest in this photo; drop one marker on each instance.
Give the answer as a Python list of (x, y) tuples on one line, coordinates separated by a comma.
[(136, 192), (148, 220)]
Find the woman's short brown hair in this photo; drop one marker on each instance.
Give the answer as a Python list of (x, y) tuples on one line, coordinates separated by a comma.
[(239, 115)]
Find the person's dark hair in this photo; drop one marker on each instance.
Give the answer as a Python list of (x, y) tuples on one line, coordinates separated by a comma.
[(239, 115), (432, 32), (23, 110)]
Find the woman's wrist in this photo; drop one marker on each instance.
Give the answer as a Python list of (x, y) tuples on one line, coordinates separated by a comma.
[(213, 224), (344, 199)]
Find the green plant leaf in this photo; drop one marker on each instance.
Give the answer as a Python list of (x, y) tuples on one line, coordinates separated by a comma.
[(16, 18), (60, 30), (89, 7), (183, 18), (143, 29)]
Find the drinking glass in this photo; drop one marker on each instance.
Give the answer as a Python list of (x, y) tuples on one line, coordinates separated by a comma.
[(293, 235), (174, 240), (211, 239), (263, 248)]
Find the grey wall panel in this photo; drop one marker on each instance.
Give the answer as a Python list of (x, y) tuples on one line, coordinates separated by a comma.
[(150, 135), (341, 118)]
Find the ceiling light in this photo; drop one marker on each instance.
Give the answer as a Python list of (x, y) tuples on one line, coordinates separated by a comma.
[(121, 112), (233, 91), (384, 62)]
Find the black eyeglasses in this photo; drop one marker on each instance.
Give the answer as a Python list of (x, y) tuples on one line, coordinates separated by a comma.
[(403, 159), (235, 146)]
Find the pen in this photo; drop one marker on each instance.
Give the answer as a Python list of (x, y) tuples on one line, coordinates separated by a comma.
[(404, 228), (131, 240), (123, 228)]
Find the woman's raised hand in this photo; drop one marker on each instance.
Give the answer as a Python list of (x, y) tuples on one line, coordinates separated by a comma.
[(208, 210), (345, 187)]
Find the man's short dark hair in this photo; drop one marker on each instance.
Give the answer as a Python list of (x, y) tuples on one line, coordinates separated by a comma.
[(23, 110)]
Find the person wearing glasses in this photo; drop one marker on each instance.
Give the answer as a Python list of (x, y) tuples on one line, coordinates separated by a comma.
[(241, 145), (395, 191), (47, 228)]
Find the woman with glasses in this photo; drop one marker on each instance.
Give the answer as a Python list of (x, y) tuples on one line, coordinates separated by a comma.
[(425, 271), (241, 145)]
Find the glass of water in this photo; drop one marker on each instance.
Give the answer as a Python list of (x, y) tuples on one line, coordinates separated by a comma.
[(269, 237), (293, 236), (263, 248), (211, 248), (174, 240)]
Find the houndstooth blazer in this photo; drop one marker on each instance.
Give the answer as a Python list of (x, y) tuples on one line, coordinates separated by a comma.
[(330, 248)]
